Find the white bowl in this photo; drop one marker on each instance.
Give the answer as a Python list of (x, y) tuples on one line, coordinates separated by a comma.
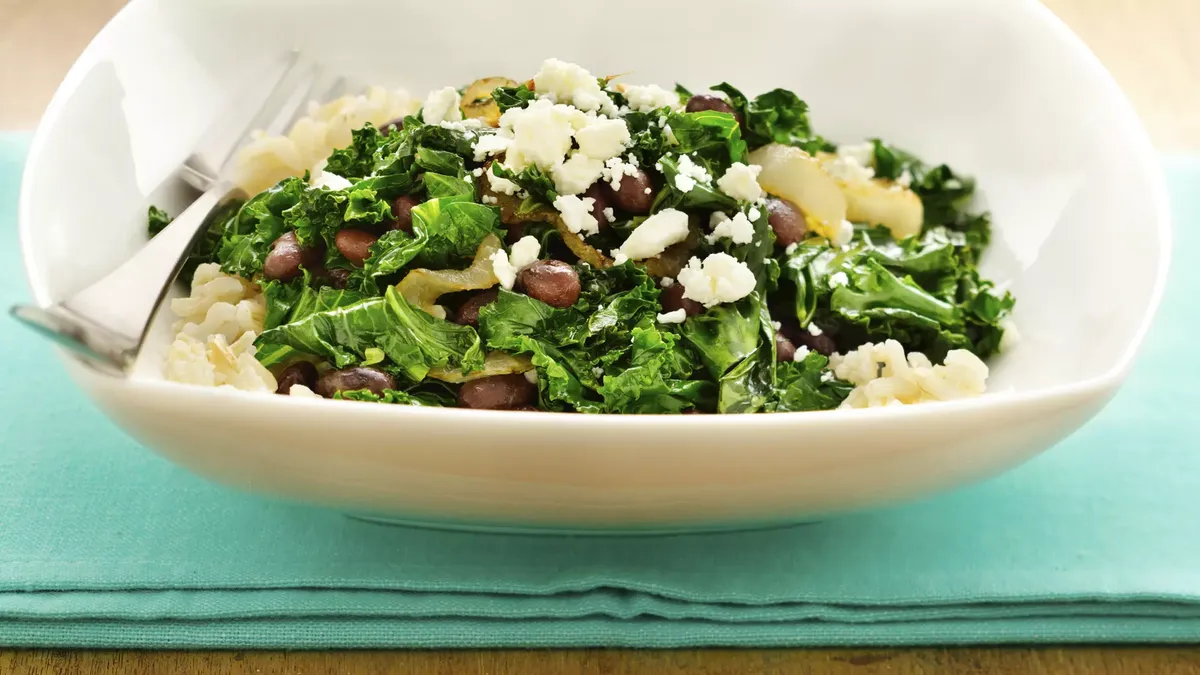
[(998, 88)]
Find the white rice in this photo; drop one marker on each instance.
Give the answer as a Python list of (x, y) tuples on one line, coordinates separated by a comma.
[(884, 375), (214, 341), (266, 160)]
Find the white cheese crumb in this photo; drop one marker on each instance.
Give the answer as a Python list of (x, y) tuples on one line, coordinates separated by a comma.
[(492, 144), (477, 171), (441, 105), (776, 325), (616, 168), (609, 215), (467, 178), (598, 372), (330, 181), (618, 257), (647, 190), (562, 82), (531, 376), (525, 252), (504, 270), (905, 179), (690, 174), (838, 279), (489, 199), (801, 353), (666, 282), (650, 97), (791, 248), (576, 174), (843, 234), (720, 278), (739, 229), (542, 134), (577, 214), (753, 213), (655, 234), (674, 316), (501, 185), (603, 138), (815, 330), (670, 135), (827, 376), (741, 182)]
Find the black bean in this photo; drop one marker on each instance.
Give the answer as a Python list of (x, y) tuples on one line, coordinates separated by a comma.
[(787, 220), (338, 277), (602, 195), (354, 244), (468, 313), (822, 344), (632, 195), (402, 207), (286, 257), (498, 392), (354, 379), (672, 299), (392, 125), (300, 372), (701, 102), (554, 282), (784, 349)]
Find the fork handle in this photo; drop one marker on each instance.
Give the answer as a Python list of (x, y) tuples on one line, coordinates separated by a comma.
[(106, 322)]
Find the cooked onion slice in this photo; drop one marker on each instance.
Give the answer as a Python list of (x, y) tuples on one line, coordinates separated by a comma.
[(798, 177), (884, 203), (496, 363), (477, 100), (422, 287)]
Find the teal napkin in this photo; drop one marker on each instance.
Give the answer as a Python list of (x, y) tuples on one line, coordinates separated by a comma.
[(103, 544)]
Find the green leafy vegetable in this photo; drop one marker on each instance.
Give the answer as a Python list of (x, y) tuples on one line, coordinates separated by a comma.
[(807, 385), (778, 116), (157, 219)]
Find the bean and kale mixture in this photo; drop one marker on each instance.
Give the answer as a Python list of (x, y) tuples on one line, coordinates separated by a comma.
[(574, 244)]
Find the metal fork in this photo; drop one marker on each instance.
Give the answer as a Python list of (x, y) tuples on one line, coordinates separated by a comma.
[(106, 323)]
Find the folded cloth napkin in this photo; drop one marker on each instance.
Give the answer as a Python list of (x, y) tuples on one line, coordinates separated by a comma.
[(103, 544)]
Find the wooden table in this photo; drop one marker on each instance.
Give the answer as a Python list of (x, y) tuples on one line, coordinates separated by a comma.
[(1151, 47)]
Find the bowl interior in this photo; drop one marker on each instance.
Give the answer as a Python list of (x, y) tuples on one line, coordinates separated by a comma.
[(997, 89)]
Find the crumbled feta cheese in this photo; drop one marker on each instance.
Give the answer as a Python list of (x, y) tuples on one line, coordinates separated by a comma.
[(467, 178), (670, 135), (852, 163), (492, 144), (477, 171), (843, 234), (488, 199), (905, 179), (666, 282), (690, 174), (674, 316), (330, 181), (577, 214), (609, 215), (525, 252), (576, 174), (618, 257), (441, 106), (791, 248), (815, 330), (562, 82), (655, 234), (776, 325), (542, 133), (501, 185), (741, 182), (801, 353), (827, 376), (647, 190), (603, 138), (720, 278), (739, 229), (617, 168), (531, 376), (862, 153), (650, 97), (462, 126), (598, 372), (753, 213), (838, 279), (504, 270)]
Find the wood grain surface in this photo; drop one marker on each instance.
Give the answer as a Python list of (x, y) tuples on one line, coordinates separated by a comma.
[(1152, 47)]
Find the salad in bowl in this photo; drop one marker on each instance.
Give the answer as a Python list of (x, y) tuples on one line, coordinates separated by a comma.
[(574, 243)]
